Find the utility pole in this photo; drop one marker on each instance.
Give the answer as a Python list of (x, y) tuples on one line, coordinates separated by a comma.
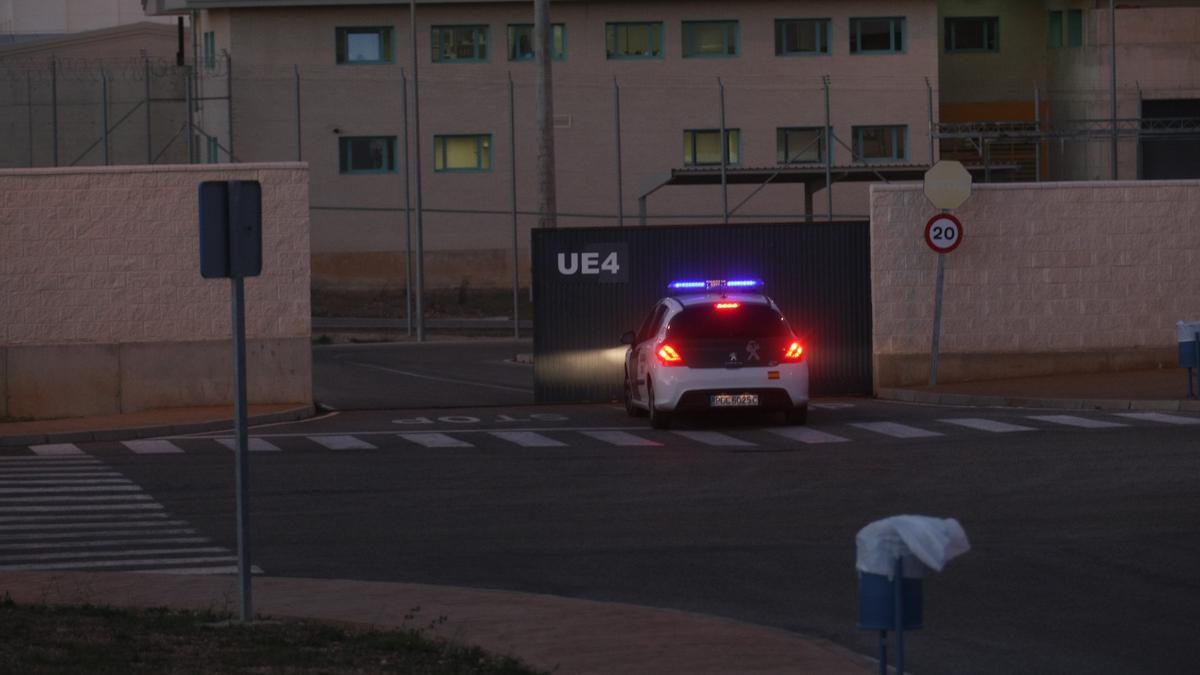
[(547, 202)]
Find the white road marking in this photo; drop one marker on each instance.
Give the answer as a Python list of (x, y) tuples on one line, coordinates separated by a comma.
[(714, 438), (44, 460), (1161, 417), (42, 536), (1073, 421), (116, 563), (621, 438), (153, 447), (86, 507), (41, 526), (56, 450), (528, 439), (809, 436), (75, 472), (68, 489), (112, 554), (98, 481), (987, 425), (93, 498), (103, 542), (896, 430), (433, 439), (80, 518), (342, 443), (256, 444)]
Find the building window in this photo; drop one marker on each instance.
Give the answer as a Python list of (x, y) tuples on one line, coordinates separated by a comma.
[(462, 153), (703, 147), (214, 150), (365, 45), (801, 37), (800, 145), (634, 40), (1074, 26), (460, 43), (877, 36), (710, 39), (972, 34), (520, 41), (210, 50), (367, 154), (881, 143)]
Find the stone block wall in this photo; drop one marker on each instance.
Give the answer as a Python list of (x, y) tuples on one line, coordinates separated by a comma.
[(1050, 278), (102, 307)]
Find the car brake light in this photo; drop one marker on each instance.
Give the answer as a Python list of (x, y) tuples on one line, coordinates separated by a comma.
[(668, 356), (728, 305), (794, 352)]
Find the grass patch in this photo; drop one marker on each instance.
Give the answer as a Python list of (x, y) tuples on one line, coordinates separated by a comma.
[(45, 639)]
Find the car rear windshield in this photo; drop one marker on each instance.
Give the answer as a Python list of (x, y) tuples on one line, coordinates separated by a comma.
[(706, 322)]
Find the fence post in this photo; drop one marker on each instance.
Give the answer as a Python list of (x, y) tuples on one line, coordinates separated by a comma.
[(408, 258), (29, 112), (516, 257), (617, 127), (420, 305), (932, 124), (299, 135), (149, 125), (229, 100), (54, 105), (187, 101), (104, 113), (1037, 123), (828, 151), (724, 158)]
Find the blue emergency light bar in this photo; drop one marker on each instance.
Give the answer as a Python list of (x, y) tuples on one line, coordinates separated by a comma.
[(715, 284)]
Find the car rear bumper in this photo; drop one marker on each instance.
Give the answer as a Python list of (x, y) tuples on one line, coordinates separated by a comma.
[(690, 389)]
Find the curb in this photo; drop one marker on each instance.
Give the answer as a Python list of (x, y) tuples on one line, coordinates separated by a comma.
[(291, 415), (937, 398)]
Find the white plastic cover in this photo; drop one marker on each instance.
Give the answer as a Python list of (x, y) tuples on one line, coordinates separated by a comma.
[(932, 541), (1187, 330)]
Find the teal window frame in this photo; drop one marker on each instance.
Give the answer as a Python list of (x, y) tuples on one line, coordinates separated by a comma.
[(483, 149), (387, 45), (899, 137), (480, 39), (897, 31), (346, 159), (616, 36), (732, 38), (991, 34), (733, 146), (558, 35), (821, 29), (1064, 28), (783, 148), (210, 50)]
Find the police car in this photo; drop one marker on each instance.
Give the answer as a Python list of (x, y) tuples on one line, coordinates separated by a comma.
[(715, 345)]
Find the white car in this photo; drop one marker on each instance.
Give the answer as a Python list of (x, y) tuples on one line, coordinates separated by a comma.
[(715, 345)]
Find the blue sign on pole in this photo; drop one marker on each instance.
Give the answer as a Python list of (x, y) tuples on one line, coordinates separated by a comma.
[(230, 229)]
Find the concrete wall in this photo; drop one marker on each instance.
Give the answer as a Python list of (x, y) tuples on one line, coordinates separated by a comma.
[(41, 17), (660, 99), (1050, 278), (102, 307)]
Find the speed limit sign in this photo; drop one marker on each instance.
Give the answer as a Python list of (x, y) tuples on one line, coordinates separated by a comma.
[(943, 233)]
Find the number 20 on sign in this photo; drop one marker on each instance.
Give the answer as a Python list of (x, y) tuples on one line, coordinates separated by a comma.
[(943, 233)]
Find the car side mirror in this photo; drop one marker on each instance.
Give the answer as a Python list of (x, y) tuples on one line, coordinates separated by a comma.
[(629, 338)]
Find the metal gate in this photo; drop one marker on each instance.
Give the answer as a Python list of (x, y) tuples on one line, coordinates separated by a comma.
[(590, 285)]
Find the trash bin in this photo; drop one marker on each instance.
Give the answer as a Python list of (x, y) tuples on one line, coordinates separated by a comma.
[(1189, 343)]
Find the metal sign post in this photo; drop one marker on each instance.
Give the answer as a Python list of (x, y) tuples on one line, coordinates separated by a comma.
[(947, 186), (231, 247)]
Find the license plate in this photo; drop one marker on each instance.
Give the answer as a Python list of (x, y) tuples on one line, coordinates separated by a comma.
[(733, 400)]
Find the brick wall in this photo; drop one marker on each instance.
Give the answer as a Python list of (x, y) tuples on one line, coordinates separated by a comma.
[(100, 270), (1050, 277)]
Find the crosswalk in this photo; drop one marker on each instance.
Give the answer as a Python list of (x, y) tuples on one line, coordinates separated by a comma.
[(61, 509), (621, 437)]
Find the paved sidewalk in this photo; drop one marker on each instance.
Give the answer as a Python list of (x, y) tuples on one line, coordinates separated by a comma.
[(551, 633), (1162, 389)]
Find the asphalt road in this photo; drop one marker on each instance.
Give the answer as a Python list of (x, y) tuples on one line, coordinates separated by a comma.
[(1084, 539)]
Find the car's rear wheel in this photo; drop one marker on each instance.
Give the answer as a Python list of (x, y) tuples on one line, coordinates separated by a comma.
[(631, 408), (798, 416), (658, 418)]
